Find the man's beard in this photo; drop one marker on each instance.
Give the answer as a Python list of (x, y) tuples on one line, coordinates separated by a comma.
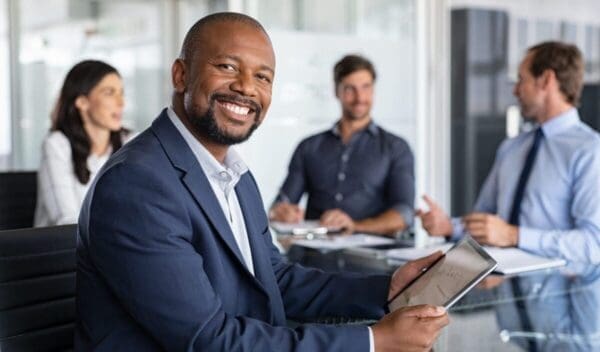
[(356, 117), (206, 124)]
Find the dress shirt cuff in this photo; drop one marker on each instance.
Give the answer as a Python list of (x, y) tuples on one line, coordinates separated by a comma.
[(530, 239), (371, 340), (407, 212), (458, 229)]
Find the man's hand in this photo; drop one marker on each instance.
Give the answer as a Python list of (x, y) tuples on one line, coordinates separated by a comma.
[(409, 271), (436, 222), (286, 212), (337, 218), (491, 230), (409, 329)]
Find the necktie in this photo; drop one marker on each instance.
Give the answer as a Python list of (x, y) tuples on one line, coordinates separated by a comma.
[(516, 206)]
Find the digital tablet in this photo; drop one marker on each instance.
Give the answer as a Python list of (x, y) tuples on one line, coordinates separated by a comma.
[(449, 278)]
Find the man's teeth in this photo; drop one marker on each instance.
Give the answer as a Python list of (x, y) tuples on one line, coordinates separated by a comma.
[(240, 110)]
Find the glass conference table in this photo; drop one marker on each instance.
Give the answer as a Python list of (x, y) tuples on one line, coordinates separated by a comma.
[(547, 310)]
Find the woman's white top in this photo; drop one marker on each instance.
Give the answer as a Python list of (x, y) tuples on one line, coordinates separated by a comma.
[(60, 194)]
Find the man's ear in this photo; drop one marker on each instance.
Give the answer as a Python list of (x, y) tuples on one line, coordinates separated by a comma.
[(547, 78), (178, 75)]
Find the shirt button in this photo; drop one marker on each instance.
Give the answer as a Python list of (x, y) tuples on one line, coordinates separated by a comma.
[(224, 176), (344, 157), (339, 197), (341, 176)]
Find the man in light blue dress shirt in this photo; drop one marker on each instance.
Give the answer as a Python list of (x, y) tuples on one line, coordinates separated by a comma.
[(558, 212)]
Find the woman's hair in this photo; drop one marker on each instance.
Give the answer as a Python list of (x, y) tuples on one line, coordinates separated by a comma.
[(80, 80)]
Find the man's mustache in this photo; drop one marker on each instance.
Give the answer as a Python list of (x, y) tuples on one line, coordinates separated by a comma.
[(231, 98)]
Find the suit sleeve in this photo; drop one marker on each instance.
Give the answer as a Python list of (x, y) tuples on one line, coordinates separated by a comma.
[(140, 242)]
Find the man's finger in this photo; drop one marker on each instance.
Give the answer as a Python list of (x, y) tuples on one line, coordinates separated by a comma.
[(424, 311), (436, 323), (430, 202), (480, 238), (475, 226), (475, 217), (425, 262)]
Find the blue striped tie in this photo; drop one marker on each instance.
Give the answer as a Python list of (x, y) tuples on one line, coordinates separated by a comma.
[(516, 206)]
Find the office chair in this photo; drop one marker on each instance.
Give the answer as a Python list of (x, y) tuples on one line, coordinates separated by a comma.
[(18, 192), (37, 289)]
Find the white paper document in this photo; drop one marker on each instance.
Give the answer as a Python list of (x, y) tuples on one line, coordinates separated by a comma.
[(340, 242), (406, 254), (510, 260), (302, 228), (514, 260)]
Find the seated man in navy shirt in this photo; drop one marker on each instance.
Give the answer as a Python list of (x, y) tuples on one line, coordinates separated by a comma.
[(358, 176)]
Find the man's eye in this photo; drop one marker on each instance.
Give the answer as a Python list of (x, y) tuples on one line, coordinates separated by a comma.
[(264, 78), (227, 67)]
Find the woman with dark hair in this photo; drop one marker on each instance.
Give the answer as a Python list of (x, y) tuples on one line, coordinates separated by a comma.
[(86, 130)]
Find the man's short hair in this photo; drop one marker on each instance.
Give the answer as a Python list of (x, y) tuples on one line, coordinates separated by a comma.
[(191, 40), (567, 63), (350, 64)]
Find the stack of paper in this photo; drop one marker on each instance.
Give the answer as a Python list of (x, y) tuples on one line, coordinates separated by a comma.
[(510, 260), (341, 242)]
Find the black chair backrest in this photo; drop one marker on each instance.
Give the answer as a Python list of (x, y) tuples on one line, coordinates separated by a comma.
[(37, 289), (18, 192)]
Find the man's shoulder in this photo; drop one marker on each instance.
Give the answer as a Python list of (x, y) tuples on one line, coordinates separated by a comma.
[(312, 142), (317, 136), (586, 136), (391, 136), (393, 141), (142, 156), (509, 143)]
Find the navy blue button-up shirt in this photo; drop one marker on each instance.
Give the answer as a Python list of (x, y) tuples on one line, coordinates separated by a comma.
[(372, 173)]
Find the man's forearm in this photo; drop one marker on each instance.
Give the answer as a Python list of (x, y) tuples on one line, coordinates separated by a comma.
[(387, 223)]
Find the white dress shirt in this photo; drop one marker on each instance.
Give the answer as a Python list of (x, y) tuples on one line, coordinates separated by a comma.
[(60, 194), (222, 179)]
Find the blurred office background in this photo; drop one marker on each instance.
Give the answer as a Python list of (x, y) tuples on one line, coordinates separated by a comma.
[(446, 70)]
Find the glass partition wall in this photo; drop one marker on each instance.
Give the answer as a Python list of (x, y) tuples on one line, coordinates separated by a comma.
[(5, 122), (142, 37)]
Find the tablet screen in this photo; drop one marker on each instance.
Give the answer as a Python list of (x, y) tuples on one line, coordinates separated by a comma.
[(449, 278)]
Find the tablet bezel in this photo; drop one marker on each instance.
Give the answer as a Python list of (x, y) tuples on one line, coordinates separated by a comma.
[(492, 264)]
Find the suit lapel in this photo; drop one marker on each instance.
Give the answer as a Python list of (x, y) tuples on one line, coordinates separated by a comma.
[(195, 180), (247, 198)]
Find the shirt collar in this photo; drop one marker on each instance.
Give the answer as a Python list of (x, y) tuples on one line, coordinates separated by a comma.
[(560, 123), (227, 174), (371, 128)]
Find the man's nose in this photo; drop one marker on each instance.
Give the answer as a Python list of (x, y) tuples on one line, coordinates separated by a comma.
[(244, 84)]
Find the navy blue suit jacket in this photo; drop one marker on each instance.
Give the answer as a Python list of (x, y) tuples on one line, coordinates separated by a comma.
[(158, 267)]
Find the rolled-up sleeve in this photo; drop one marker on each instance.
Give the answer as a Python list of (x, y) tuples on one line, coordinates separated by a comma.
[(400, 191)]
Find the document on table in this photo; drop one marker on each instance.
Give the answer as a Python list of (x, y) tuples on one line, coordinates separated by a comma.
[(302, 228), (342, 242), (514, 260), (510, 260)]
